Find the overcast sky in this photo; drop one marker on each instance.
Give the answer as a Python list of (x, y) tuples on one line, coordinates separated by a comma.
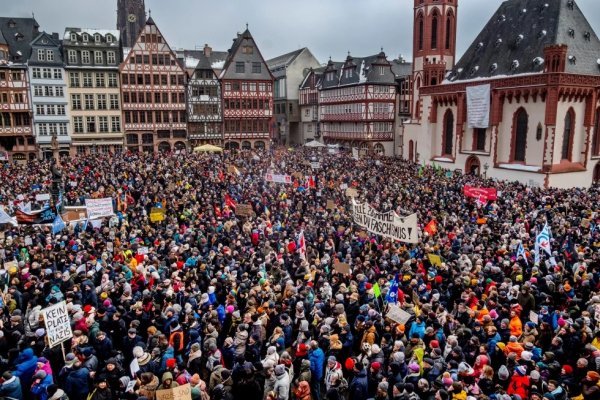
[(326, 27)]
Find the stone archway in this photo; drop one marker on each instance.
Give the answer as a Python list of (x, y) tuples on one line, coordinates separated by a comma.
[(473, 166)]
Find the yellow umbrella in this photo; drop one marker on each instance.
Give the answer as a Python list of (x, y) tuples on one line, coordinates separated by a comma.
[(208, 148)]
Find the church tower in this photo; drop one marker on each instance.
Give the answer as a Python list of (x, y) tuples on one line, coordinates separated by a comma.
[(434, 44), (131, 18)]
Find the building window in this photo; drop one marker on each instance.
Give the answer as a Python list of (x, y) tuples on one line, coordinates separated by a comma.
[(41, 55), (50, 55), (47, 73), (420, 27), (40, 109), (74, 79), (448, 30), (37, 73), (57, 73), (98, 57), (479, 139), (103, 124), (596, 137), (109, 38), (50, 109), (78, 124), (90, 124), (60, 109), (73, 37), (62, 128), (112, 80), (85, 56), (37, 91), (43, 129), (434, 30), (567, 143), (87, 80), (256, 68), (520, 122), (97, 38), (85, 37), (101, 102), (111, 57), (114, 101), (115, 123), (240, 67), (100, 79), (448, 132), (247, 49), (89, 101), (76, 101)]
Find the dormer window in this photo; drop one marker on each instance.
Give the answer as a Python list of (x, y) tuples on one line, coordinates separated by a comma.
[(349, 72), (12, 24), (97, 38), (330, 76), (86, 37), (109, 38), (73, 37)]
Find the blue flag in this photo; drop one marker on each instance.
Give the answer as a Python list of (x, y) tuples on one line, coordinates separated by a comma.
[(392, 294), (58, 225), (521, 252)]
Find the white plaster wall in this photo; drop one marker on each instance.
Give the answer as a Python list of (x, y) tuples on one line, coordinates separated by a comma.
[(579, 132), (535, 149)]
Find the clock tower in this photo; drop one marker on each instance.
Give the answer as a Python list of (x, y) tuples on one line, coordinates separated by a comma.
[(131, 18)]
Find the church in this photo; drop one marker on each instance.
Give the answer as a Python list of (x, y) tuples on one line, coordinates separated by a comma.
[(522, 102)]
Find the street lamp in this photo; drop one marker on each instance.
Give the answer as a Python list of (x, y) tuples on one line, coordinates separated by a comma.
[(485, 168)]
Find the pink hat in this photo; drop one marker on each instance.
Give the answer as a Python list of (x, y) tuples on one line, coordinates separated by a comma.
[(493, 314), (561, 322), (230, 309), (414, 367)]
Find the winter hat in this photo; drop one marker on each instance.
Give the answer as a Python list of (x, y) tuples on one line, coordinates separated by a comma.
[(349, 364), (434, 344), (503, 373), (70, 359), (138, 352), (526, 355), (493, 314), (171, 363), (376, 366), (279, 370), (414, 367), (40, 332), (41, 374), (331, 359), (521, 370), (568, 369), (535, 375), (383, 386)]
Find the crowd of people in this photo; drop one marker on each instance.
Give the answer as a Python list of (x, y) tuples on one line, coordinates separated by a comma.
[(254, 307)]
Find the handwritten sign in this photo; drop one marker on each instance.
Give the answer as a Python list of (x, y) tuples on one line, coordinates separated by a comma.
[(278, 178), (244, 210), (58, 326), (183, 392), (533, 317), (42, 197), (397, 314), (435, 260), (331, 205), (98, 208), (351, 192), (342, 268)]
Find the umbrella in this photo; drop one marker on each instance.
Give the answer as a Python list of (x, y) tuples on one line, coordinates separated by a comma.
[(314, 143), (208, 148)]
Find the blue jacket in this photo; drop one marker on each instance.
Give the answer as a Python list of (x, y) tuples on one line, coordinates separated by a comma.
[(418, 329), (40, 389), (26, 365), (76, 384), (12, 388), (359, 386), (317, 363)]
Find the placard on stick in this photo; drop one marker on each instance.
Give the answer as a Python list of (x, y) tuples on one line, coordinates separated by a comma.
[(351, 192), (183, 392), (331, 205), (58, 325), (244, 210), (342, 268), (397, 314)]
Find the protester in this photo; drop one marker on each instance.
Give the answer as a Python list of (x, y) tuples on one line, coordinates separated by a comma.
[(209, 275)]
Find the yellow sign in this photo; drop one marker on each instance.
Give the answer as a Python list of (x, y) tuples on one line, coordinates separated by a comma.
[(435, 260)]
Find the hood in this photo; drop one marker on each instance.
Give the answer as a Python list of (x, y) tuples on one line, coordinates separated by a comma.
[(167, 375), (27, 354), (59, 393)]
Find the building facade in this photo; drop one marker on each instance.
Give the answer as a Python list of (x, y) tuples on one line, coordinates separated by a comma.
[(153, 94), (247, 86), (131, 17), (537, 67), (17, 142), (92, 58), (204, 96), (289, 71), (51, 126), (357, 103), (309, 105)]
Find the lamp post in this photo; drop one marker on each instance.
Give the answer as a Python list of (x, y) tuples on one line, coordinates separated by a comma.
[(485, 168)]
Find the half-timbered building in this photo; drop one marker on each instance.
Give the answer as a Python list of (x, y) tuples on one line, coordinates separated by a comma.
[(309, 104), (204, 105), (357, 103), (247, 86), (17, 142), (532, 113), (153, 94)]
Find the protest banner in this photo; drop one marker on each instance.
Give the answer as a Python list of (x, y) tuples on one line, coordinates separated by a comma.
[(58, 325), (98, 208), (483, 194), (244, 210), (183, 392), (330, 205), (278, 178), (387, 224), (143, 251), (351, 192), (157, 214), (42, 197), (396, 314), (315, 165), (342, 268)]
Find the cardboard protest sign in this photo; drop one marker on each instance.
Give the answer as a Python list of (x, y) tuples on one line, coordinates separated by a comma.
[(331, 205), (397, 314), (533, 317), (183, 392), (157, 214), (244, 210), (351, 192), (58, 325), (342, 268)]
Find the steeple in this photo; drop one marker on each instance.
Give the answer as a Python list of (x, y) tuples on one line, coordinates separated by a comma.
[(131, 17)]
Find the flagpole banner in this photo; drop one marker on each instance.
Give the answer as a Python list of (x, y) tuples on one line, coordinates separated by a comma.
[(98, 208), (278, 178), (480, 193), (387, 224), (478, 106)]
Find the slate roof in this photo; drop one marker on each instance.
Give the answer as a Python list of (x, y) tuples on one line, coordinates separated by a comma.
[(513, 41), (18, 33), (401, 68), (364, 71), (236, 55)]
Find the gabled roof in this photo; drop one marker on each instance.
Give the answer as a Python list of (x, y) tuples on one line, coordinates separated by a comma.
[(284, 60), (18, 34), (237, 55), (513, 41), (45, 39), (364, 70)]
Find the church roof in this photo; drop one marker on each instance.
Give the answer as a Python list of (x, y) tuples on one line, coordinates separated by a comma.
[(513, 41), (18, 34)]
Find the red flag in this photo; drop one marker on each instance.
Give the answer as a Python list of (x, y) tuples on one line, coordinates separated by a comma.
[(310, 182), (431, 227), (302, 246), (221, 176), (229, 201)]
